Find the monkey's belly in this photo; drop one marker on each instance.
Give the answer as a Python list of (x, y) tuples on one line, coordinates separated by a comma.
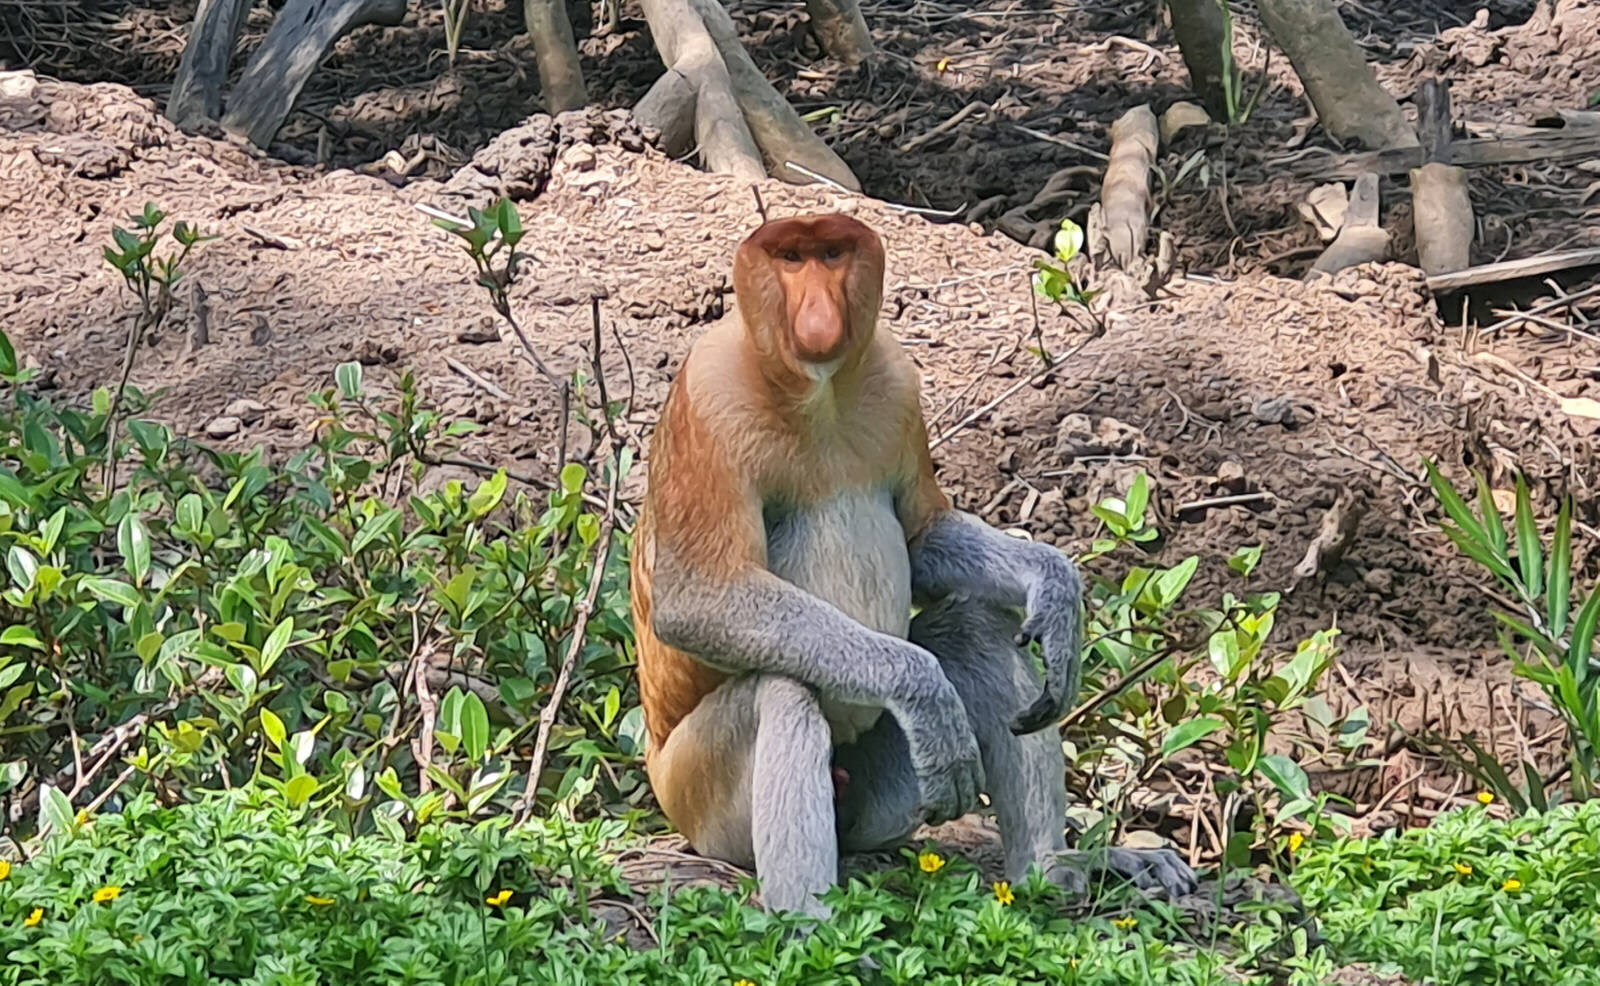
[(851, 551)]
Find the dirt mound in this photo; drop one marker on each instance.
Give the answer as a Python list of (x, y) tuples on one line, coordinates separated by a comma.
[(1035, 86), (1255, 405)]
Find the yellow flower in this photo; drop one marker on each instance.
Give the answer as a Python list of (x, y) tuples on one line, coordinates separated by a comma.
[(1511, 886), (33, 918), (943, 66), (105, 894), (316, 901), (1465, 869), (1485, 798), (743, 982), (1123, 924), (82, 818), (498, 899), (5, 869), (1296, 840), (1002, 893), (931, 862)]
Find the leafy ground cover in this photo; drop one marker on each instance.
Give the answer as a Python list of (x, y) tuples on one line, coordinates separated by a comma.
[(235, 889)]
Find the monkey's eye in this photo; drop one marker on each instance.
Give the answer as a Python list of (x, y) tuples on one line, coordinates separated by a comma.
[(792, 256), (833, 253)]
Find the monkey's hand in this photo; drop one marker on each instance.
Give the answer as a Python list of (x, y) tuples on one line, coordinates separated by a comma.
[(1055, 592), (944, 750), (958, 553)]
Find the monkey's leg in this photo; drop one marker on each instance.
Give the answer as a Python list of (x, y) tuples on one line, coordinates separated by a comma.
[(746, 778), (1026, 774)]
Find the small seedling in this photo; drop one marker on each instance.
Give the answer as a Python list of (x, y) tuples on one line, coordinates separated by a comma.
[(1054, 280)]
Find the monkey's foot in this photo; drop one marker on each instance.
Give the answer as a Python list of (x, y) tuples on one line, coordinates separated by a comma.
[(1147, 869)]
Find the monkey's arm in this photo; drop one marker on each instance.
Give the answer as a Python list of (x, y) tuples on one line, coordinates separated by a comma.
[(713, 597), (952, 551)]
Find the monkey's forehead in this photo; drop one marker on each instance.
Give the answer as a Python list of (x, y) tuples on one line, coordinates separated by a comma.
[(797, 231)]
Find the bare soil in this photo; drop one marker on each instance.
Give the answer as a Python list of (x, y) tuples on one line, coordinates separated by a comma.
[(1232, 382)]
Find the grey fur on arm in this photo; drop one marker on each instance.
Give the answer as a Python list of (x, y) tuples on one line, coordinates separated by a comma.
[(958, 553), (757, 622)]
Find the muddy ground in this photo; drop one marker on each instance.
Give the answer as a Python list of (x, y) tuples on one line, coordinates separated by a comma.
[(1232, 382)]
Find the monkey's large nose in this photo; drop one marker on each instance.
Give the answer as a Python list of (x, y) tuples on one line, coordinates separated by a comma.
[(818, 327)]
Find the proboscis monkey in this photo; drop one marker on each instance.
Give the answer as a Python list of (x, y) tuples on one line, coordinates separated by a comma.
[(791, 520)]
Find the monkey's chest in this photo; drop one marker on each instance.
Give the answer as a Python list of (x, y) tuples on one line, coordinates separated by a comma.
[(849, 550)]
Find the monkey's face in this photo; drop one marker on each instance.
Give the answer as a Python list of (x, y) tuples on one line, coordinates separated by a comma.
[(809, 288)]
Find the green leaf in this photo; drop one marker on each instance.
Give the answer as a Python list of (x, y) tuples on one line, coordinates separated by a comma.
[(190, 512), (1068, 240), (125, 240), (111, 590), (349, 377), (18, 635), (1530, 554), (1237, 853), (1138, 500), (52, 530), (1559, 595), (1492, 524), (1454, 506), (374, 528), (1286, 775), (273, 727), (23, 567), (1583, 629), (1189, 734), (55, 810), (509, 222), (133, 541), (147, 646), (588, 529), (300, 789), (572, 477), (488, 494), (474, 726), (1245, 560), (277, 643), (8, 356)]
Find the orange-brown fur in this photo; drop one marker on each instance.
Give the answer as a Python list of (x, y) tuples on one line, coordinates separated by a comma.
[(745, 424)]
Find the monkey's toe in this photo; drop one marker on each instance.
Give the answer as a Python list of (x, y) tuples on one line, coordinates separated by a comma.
[(1152, 869)]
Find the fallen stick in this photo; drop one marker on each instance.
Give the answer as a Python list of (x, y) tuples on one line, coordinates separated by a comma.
[(472, 376), (945, 127), (1507, 270), (1552, 147), (1125, 192)]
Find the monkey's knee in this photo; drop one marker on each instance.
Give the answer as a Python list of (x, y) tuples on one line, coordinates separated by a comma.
[(702, 778)]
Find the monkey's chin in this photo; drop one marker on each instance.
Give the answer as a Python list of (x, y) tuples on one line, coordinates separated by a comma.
[(821, 372)]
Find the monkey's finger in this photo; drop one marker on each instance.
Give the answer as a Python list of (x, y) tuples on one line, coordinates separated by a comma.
[(1036, 716)]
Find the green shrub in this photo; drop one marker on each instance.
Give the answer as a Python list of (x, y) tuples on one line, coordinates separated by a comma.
[(1470, 900), (246, 618), (1549, 641)]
